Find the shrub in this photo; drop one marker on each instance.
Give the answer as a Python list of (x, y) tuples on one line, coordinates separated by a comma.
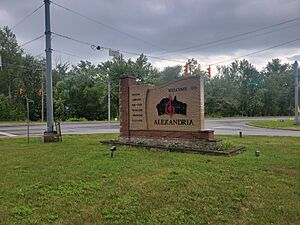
[(77, 119)]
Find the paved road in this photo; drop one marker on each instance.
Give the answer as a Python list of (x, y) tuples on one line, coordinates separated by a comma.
[(14, 130), (220, 126)]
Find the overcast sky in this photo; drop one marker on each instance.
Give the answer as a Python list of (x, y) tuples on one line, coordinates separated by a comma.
[(160, 27)]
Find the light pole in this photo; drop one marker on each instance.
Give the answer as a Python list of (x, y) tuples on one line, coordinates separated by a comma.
[(42, 94), (48, 50), (108, 95), (108, 99), (296, 82), (28, 119)]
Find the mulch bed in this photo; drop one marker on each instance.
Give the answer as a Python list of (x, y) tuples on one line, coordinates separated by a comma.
[(234, 151)]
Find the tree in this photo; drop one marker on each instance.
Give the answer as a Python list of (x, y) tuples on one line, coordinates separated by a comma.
[(168, 74), (275, 66), (11, 60)]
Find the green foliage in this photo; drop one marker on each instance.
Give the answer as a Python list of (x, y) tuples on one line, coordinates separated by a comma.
[(77, 119), (232, 93), (9, 111), (225, 145), (80, 91), (287, 124), (21, 211), (18, 71)]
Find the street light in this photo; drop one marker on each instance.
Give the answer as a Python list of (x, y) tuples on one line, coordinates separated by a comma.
[(27, 104)]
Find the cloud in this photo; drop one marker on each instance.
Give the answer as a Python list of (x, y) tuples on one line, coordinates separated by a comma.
[(160, 25), (294, 58)]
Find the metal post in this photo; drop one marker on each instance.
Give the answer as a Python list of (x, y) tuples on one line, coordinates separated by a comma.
[(42, 95), (48, 50), (296, 92), (108, 93), (27, 104)]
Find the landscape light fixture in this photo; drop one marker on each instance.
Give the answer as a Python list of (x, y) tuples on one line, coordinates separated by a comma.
[(112, 149), (257, 153)]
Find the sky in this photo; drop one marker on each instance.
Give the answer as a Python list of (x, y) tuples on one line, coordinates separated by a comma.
[(168, 31)]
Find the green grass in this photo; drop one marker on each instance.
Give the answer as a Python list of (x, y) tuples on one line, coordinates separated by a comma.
[(285, 124), (76, 182)]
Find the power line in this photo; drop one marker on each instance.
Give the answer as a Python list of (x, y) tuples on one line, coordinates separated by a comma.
[(256, 52), (232, 36), (39, 55), (35, 39), (73, 39), (70, 54), (122, 51), (107, 26), (26, 17), (241, 39)]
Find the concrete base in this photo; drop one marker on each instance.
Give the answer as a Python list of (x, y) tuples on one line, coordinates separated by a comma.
[(51, 137), (201, 135), (211, 145)]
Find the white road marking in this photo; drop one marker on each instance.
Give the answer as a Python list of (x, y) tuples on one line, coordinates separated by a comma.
[(7, 134)]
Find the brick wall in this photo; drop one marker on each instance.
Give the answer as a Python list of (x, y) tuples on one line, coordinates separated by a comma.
[(125, 133), (125, 82), (185, 135)]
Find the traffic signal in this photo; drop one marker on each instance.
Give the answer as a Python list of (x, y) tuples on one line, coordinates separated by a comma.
[(209, 72), (186, 69), (21, 91)]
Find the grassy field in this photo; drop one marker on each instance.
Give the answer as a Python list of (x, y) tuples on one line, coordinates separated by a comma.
[(76, 182), (286, 124)]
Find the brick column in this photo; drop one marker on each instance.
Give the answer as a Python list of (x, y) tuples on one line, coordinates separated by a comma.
[(125, 82)]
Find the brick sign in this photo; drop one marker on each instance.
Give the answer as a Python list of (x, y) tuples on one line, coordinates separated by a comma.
[(172, 111), (175, 106)]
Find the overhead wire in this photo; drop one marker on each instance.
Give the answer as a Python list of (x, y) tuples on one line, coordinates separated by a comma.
[(246, 38), (166, 51), (255, 52), (26, 17), (28, 42), (122, 51), (107, 26), (186, 48), (70, 54), (160, 58), (232, 36), (39, 55)]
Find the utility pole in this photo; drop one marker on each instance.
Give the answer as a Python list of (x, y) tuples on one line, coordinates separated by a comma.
[(48, 50), (108, 99), (42, 94), (296, 92)]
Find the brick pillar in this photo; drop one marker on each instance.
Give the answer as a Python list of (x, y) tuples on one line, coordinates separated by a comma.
[(125, 82)]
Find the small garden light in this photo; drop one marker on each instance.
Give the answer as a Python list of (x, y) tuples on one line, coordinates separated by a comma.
[(112, 149), (257, 153)]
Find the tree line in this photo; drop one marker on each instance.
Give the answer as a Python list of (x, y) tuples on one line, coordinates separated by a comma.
[(80, 91)]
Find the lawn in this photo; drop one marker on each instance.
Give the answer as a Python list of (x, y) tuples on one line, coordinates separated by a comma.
[(277, 124), (76, 182)]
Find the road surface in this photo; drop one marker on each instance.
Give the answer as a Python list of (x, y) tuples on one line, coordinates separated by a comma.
[(220, 126)]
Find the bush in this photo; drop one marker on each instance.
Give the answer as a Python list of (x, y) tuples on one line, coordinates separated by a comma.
[(225, 145), (77, 119), (9, 111)]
